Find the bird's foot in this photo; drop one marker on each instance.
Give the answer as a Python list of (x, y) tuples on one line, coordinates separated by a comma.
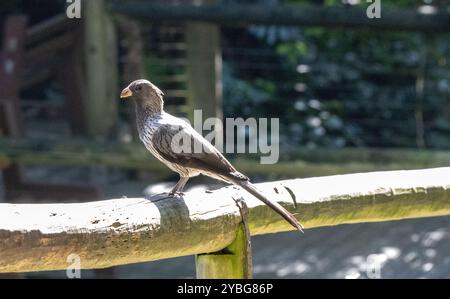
[(158, 197), (165, 195), (176, 194)]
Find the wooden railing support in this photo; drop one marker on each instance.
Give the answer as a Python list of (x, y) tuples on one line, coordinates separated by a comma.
[(234, 261)]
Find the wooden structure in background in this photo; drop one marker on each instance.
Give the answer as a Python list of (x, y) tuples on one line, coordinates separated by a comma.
[(55, 50), (303, 162), (11, 60)]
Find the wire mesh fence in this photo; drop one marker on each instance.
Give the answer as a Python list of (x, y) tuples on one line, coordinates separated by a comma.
[(333, 88)]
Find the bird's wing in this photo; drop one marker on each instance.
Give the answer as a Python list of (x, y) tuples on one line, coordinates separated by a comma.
[(182, 145), (168, 141)]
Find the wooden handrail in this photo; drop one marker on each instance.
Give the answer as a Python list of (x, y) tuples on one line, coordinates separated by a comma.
[(37, 237), (297, 15)]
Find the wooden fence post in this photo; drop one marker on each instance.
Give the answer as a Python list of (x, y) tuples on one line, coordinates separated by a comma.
[(101, 99), (234, 261), (10, 69), (204, 69), (204, 66), (133, 62)]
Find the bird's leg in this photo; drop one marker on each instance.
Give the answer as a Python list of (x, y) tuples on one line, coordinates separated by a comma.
[(178, 189)]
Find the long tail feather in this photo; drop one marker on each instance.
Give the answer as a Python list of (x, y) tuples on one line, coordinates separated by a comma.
[(274, 205)]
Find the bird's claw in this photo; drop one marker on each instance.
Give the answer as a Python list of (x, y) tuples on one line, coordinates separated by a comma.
[(158, 197), (165, 195), (176, 194)]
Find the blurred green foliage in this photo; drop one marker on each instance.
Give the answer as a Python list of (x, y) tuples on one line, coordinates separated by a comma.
[(337, 87)]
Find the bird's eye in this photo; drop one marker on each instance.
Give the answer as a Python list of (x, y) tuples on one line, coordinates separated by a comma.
[(138, 87)]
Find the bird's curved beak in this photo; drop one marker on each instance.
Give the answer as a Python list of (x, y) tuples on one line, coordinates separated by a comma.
[(126, 93)]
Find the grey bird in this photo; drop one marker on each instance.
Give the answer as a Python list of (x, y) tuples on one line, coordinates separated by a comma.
[(167, 138)]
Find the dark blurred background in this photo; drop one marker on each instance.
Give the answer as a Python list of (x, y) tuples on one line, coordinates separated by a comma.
[(352, 94)]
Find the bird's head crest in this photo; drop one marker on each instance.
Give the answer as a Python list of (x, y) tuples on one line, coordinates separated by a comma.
[(144, 91)]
